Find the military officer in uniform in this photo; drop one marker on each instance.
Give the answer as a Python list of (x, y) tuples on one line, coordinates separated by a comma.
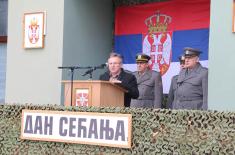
[(174, 83), (192, 83), (149, 85)]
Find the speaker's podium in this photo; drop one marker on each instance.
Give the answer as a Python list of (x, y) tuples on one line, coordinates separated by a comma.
[(93, 93)]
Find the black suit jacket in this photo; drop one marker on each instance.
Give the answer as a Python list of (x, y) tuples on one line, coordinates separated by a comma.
[(128, 82)]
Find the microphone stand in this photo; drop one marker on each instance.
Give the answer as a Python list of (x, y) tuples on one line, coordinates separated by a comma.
[(71, 97), (72, 68)]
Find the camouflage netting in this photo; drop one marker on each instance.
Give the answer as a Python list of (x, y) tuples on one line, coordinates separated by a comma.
[(154, 132)]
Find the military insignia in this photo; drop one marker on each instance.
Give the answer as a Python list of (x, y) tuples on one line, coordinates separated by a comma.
[(139, 57), (157, 43), (187, 52)]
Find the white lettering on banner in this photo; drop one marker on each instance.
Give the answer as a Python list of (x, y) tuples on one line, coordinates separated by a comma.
[(77, 127)]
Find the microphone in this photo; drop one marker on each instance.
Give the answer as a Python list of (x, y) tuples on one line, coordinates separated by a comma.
[(91, 69), (88, 72)]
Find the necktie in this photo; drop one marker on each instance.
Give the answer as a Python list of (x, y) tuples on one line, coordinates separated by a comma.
[(187, 72)]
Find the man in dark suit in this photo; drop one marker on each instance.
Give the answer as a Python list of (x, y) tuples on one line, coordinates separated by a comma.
[(192, 83), (149, 85), (174, 84), (117, 75)]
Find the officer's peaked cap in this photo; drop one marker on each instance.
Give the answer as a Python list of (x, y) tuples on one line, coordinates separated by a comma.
[(141, 57), (188, 51), (181, 58)]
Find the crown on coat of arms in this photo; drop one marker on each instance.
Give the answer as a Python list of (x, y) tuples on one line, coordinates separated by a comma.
[(157, 22), (34, 22)]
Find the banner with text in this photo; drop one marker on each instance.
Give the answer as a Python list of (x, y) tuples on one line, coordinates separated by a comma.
[(106, 129)]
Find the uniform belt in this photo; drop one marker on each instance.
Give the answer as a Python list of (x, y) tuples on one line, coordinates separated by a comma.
[(145, 98), (191, 98)]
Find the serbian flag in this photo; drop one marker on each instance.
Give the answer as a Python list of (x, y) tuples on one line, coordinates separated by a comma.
[(162, 30)]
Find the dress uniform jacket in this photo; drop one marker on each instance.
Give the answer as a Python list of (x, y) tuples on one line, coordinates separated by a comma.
[(150, 90), (192, 89), (172, 91), (128, 82)]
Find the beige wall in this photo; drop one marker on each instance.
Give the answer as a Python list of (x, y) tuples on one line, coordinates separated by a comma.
[(221, 57), (32, 75)]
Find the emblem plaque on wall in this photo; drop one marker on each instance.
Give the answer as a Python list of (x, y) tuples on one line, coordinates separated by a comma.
[(34, 30)]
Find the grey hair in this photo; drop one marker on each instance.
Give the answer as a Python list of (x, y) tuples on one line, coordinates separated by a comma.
[(116, 55)]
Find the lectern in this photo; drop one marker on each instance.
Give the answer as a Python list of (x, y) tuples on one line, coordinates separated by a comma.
[(93, 93)]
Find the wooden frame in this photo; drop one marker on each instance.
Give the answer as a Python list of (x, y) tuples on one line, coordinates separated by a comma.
[(233, 28), (33, 30)]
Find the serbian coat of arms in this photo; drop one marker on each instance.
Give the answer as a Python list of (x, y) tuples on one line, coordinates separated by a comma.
[(157, 43), (81, 98)]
